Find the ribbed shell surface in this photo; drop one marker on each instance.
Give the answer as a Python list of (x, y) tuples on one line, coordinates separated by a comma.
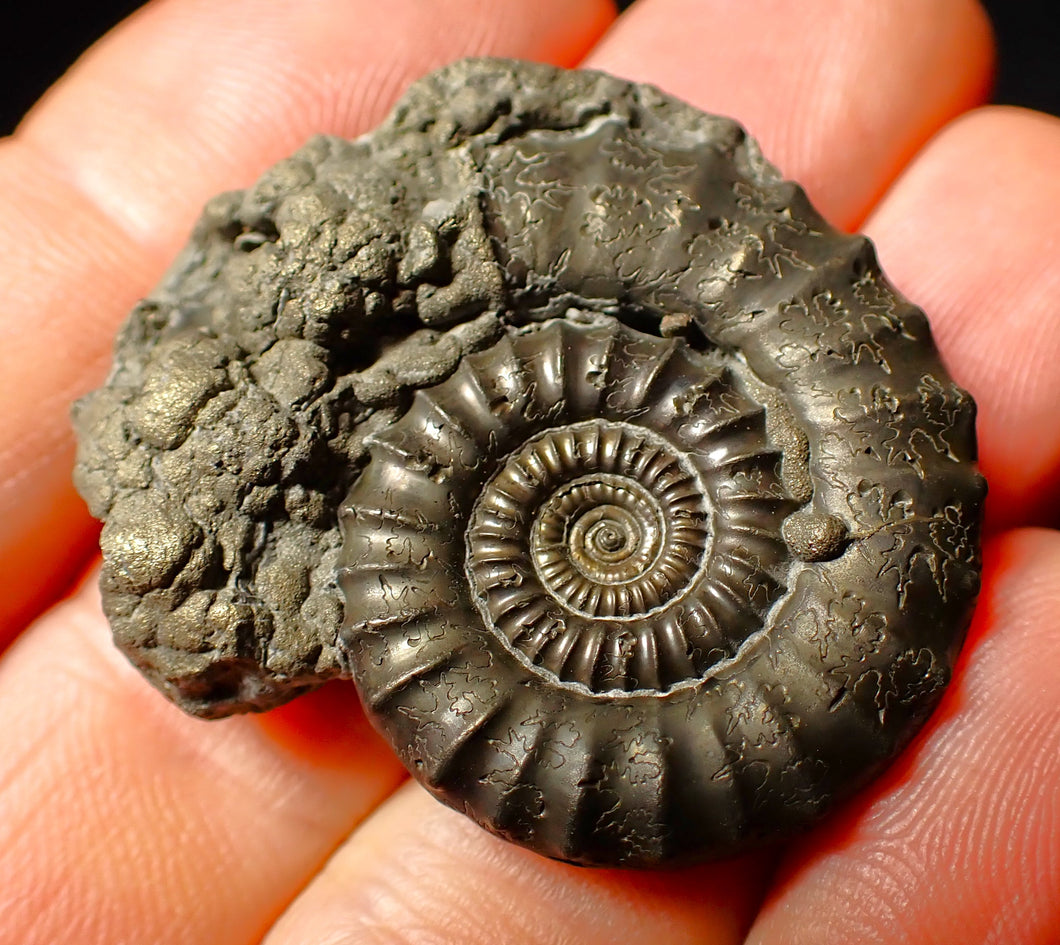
[(811, 612)]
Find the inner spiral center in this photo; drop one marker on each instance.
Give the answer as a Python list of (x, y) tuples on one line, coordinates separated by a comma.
[(602, 530), (607, 539), (607, 520)]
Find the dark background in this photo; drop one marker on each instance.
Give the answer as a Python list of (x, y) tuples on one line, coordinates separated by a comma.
[(39, 40)]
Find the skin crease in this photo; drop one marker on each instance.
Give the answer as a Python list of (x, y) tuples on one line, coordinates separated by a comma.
[(126, 821)]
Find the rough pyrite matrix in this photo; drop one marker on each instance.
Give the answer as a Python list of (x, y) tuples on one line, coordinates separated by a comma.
[(633, 498)]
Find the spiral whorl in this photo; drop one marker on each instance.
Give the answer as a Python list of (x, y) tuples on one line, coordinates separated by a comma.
[(607, 545)]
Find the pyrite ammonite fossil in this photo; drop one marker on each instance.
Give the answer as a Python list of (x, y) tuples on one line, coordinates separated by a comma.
[(634, 499)]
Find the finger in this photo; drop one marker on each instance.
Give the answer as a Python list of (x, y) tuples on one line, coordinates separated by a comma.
[(960, 841), (210, 94), (105, 176), (840, 95), (127, 821), (970, 232), (417, 871)]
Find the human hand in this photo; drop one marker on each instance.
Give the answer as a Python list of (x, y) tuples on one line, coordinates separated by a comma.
[(126, 821)]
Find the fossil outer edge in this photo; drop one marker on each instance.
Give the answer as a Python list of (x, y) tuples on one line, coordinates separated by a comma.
[(749, 547)]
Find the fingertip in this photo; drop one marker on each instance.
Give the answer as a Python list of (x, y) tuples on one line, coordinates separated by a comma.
[(969, 231), (956, 842), (416, 867), (121, 812), (839, 95), (189, 97)]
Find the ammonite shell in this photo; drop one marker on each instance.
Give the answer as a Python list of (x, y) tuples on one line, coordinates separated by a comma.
[(659, 513)]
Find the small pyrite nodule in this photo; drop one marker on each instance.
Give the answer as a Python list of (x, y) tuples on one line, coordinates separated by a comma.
[(634, 499)]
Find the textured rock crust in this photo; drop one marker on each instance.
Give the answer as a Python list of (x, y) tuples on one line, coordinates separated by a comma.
[(296, 322), (343, 326)]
